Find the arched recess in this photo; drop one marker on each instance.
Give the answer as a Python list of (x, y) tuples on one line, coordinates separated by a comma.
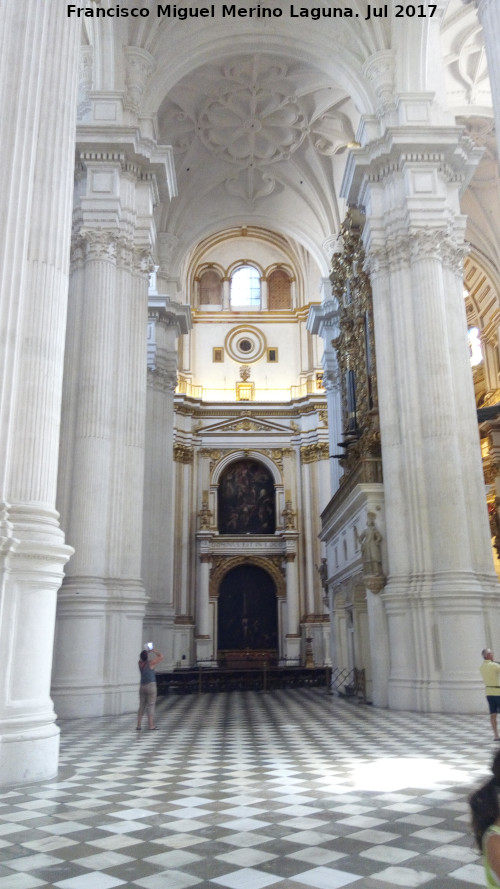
[(272, 564), (247, 613), (249, 454), (246, 499)]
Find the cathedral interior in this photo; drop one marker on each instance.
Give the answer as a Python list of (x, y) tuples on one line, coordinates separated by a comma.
[(250, 397)]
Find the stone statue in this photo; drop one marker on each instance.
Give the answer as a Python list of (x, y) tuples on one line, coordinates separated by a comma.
[(370, 541), (323, 573)]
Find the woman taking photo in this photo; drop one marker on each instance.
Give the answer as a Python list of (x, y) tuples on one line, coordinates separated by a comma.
[(485, 810), (147, 689)]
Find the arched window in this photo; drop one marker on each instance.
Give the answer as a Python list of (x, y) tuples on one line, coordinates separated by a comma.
[(210, 288), (245, 288), (279, 293)]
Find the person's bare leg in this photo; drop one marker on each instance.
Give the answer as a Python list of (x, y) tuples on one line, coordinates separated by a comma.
[(493, 718)]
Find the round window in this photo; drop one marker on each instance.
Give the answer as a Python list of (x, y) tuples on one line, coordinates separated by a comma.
[(245, 342)]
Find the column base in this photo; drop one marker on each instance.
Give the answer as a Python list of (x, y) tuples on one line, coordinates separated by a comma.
[(99, 636), (29, 755), (292, 648), (436, 628), (204, 648)]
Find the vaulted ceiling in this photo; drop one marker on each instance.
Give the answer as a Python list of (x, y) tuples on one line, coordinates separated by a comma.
[(260, 113)]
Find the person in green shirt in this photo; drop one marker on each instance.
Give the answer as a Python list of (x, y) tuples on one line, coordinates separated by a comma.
[(490, 671)]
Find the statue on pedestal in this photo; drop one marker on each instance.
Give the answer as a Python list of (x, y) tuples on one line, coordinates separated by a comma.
[(370, 541)]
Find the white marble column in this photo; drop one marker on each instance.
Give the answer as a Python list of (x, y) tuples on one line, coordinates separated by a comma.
[(441, 579), (38, 91), (169, 320), (102, 602)]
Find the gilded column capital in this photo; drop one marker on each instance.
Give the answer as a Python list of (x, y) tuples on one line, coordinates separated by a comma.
[(314, 452), (183, 453)]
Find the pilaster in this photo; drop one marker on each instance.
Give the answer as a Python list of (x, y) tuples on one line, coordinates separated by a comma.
[(167, 322)]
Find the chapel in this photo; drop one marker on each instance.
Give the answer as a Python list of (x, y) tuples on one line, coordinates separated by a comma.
[(249, 332)]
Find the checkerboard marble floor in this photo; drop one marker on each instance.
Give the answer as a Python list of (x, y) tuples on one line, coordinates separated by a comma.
[(247, 790)]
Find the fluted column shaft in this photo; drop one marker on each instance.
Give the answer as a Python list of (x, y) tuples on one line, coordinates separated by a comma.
[(102, 602), (202, 594), (441, 581), (38, 88), (292, 595)]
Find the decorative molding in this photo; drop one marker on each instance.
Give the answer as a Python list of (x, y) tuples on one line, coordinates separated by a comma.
[(205, 517), (402, 249), (289, 517), (313, 452), (162, 380), (221, 565), (183, 453), (213, 455), (248, 546), (85, 80), (139, 66), (379, 71), (250, 114)]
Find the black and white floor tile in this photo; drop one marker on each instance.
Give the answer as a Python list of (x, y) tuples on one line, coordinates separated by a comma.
[(246, 790)]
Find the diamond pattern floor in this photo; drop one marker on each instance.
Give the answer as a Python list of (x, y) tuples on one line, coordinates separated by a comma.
[(247, 790)]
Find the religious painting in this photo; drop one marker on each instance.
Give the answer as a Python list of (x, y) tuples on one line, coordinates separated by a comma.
[(246, 499), (247, 610)]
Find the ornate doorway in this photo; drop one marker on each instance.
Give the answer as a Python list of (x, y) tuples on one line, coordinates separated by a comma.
[(247, 620)]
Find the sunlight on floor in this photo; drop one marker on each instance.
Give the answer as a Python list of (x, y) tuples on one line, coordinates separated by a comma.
[(402, 772)]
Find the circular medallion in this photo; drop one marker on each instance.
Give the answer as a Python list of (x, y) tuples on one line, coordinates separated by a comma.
[(245, 343)]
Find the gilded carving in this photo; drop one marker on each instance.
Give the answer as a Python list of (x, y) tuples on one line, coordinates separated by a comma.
[(314, 452), (205, 516), (213, 455), (289, 517), (355, 346), (222, 564), (183, 453)]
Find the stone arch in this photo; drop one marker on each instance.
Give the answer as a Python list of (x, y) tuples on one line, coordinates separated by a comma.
[(251, 455), (272, 564)]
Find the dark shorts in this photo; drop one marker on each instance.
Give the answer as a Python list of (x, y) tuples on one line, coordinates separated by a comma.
[(493, 703)]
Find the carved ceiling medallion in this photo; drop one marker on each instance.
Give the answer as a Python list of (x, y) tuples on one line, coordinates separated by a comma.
[(249, 114)]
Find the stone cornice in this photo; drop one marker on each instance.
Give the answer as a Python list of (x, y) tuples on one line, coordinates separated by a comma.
[(128, 143), (313, 452), (170, 313), (445, 149)]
